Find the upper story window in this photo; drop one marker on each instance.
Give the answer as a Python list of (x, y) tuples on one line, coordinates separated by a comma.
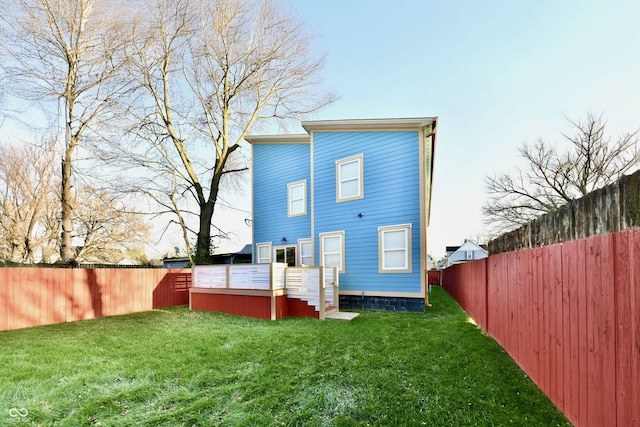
[(349, 179), (297, 198), (394, 249)]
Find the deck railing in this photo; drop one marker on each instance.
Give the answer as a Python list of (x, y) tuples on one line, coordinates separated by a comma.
[(317, 286), (240, 276)]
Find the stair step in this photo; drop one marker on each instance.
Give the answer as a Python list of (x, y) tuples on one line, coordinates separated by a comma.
[(342, 315)]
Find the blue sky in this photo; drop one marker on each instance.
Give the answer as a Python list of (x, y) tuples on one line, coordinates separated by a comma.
[(496, 73)]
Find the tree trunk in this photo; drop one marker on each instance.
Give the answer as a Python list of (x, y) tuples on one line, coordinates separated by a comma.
[(66, 245), (203, 242)]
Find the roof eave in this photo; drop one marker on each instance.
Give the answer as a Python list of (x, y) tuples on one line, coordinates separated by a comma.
[(278, 139), (369, 124)]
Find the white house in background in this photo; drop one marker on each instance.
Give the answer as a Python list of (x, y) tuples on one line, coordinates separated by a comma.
[(469, 251)]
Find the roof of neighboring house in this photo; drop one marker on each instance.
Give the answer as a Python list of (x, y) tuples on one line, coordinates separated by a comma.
[(176, 259), (246, 250), (455, 248)]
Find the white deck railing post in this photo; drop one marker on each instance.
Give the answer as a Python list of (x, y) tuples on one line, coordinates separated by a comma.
[(321, 292)]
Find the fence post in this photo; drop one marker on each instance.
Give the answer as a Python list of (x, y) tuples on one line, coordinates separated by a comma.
[(271, 267)]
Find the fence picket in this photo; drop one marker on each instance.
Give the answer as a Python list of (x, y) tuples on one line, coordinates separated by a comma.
[(569, 314), (42, 296)]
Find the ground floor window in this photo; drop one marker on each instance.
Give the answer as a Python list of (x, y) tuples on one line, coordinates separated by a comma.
[(332, 250), (263, 253), (305, 252), (285, 254), (394, 249)]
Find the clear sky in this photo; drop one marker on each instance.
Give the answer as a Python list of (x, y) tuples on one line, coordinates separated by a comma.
[(496, 73)]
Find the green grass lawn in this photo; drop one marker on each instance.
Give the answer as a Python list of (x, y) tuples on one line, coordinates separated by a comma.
[(176, 367)]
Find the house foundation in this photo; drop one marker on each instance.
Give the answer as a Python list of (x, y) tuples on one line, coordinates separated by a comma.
[(377, 303)]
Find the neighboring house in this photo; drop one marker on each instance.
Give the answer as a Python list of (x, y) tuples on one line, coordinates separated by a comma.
[(354, 194), (103, 259), (241, 257), (176, 262), (469, 251)]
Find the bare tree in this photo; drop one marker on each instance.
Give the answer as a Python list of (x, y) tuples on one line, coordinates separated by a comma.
[(210, 71), (550, 177), (67, 53), (28, 184), (106, 227)]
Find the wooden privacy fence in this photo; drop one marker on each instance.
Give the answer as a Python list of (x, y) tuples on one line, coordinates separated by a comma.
[(43, 296), (569, 315)]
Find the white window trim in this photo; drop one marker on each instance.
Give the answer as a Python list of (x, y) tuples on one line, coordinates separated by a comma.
[(300, 243), (381, 250), (340, 234), (263, 260), (302, 183), (360, 160)]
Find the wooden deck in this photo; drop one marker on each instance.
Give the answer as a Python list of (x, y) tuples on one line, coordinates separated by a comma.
[(266, 291)]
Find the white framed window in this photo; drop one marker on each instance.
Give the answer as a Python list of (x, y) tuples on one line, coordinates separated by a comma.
[(332, 250), (263, 253), (394, 249), (297, 198), (349, 179), (305, 252), (286, 254)]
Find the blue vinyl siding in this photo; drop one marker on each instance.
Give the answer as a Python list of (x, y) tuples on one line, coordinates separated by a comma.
[(275, 166), (391, 197)]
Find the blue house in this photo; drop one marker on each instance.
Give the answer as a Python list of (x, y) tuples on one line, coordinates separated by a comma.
[(354, 194)]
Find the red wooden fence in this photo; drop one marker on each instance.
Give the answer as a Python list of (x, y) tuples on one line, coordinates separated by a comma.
[(42, 296), (569, 315)]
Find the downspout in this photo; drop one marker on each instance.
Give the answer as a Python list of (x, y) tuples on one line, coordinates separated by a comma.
[(312, 194), (432, 134)]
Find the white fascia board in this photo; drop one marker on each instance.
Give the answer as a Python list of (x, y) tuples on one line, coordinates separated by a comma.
[(278, 139), (369, 124)]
